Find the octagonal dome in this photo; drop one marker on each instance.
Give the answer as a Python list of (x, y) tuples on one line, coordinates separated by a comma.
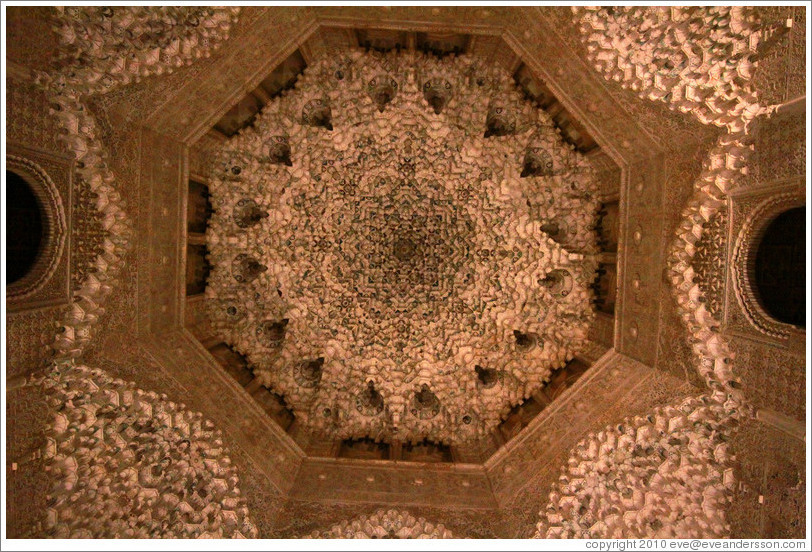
[(402, 246)]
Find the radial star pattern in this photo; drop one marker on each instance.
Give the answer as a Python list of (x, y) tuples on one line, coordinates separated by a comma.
[(402, 247)]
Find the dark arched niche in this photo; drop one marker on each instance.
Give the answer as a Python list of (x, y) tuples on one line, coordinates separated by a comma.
[(25, 227), (780, 268)]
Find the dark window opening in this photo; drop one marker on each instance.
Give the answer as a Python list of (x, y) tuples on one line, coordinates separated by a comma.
[(604, 288), (197, 269), (426, 451), (364, 449), (234, 363), (537, 91), (608, 226), (381, 40), (522, 414), (281, 79), (25, 227), (780, 268), (274, 406), (198, 207), (442, 44)]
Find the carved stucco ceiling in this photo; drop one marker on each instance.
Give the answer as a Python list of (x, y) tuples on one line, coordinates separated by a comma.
[(402, 247), (692, 452)]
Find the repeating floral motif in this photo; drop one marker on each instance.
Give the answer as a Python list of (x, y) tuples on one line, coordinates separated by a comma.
[(89, 231), (131, 464), (385, 524), (402, 247)]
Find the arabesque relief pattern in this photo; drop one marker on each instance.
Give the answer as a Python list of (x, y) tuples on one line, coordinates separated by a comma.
[(710, 262)]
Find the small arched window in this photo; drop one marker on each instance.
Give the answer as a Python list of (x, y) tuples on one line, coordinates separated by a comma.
[(25, 225), (779, 277)]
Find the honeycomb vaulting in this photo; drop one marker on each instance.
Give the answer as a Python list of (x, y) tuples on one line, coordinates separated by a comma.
[(401, 246)]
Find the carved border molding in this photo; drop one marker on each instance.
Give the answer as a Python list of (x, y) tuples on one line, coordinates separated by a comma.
[(397, 483)]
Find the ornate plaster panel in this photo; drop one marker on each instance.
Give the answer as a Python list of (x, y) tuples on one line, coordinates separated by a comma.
[(24, 121), (781, 73), (30, 30), (772, 376), (770, 499), (26, 487), (779, 149), (30, 335)]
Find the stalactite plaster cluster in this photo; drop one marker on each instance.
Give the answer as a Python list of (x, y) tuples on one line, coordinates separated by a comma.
[(402, 247), (385, 524), (107, 46), (698, 60), (128, 463), (659, 476)]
